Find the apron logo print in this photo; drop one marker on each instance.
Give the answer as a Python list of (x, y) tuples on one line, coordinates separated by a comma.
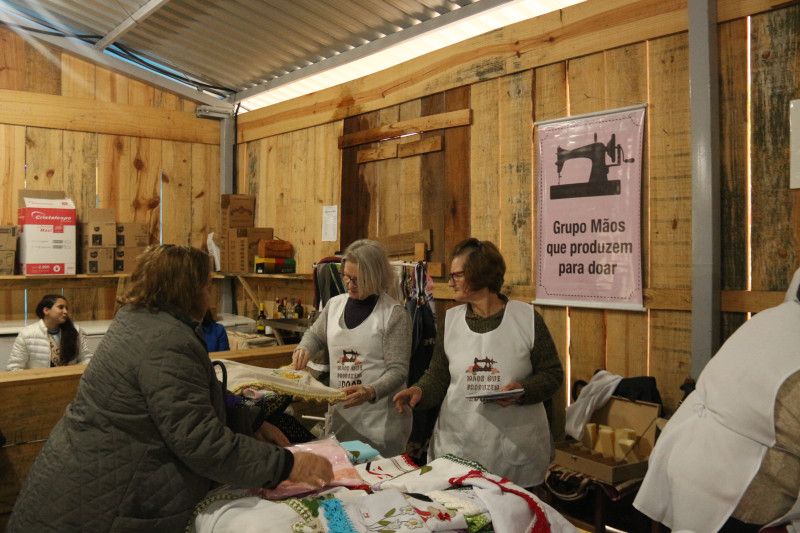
[(350, 356), (482, 365)]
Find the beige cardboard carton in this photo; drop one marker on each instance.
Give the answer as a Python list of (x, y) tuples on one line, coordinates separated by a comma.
[(97, 261), (99, 230), (237, 211), (132, 234), (8, 238), (618, 413), (125, 258)]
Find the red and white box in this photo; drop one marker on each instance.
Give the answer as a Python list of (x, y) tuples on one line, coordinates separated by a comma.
[(47, 238)]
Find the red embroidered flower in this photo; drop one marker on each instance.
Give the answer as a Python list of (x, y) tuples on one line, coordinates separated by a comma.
[(444, 517)]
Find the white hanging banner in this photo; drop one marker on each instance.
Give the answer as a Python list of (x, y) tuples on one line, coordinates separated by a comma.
[(589, 171)]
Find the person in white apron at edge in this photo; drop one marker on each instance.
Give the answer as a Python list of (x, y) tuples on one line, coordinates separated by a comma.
[(368, 337), (490, 343), (729, 458)]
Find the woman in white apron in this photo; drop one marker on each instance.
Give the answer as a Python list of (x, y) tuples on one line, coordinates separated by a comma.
[(729, 458), (367, 334), (490, 344)]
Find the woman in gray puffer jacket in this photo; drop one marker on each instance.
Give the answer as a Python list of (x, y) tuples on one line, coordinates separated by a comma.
[(145, 437)]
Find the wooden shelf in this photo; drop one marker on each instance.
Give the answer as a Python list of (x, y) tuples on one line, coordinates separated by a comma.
[(20, 277), (253, 275)]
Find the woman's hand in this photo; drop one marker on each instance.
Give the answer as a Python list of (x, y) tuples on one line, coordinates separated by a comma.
[(407, 397), (311, 469), (269, 433), (300, 357), (505, 402), (358, 394)]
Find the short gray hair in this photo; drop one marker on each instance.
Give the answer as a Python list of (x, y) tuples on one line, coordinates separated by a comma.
[(375, 274)]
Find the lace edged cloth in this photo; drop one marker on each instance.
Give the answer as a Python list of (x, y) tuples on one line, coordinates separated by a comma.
[(296, 383)]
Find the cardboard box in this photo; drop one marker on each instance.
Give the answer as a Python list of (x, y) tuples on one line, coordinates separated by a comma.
[(618, 413), (253, 236), (8, 238), (235, 251), (125, 258), (47, 236), (237, 211), (7, 262), (99, 230), (132, 234), (97, 261)]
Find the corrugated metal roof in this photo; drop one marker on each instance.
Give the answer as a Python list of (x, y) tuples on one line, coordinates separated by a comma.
[(239, 44)]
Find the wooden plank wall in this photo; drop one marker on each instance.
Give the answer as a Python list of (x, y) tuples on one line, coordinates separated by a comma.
[(496, 199), (171, 185)]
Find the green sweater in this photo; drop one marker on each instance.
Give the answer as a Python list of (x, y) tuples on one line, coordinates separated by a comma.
[(540, 386)]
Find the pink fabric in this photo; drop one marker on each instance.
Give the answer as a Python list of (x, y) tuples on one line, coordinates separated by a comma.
[(344, 474)]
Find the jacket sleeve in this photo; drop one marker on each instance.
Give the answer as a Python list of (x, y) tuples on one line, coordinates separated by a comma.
[(547, 371), (396, 354), (84, 355), (19, 355), (176, 387), (315, 339), (436, 379)]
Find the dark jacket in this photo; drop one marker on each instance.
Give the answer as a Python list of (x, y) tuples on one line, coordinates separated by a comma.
[(144, 438)]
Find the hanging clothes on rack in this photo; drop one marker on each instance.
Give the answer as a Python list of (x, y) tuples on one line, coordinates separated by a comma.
[(327, 275), (420, 306)]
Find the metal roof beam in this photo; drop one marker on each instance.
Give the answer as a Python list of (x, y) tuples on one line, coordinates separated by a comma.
[(129, 23), (85, 50), (369, 48)]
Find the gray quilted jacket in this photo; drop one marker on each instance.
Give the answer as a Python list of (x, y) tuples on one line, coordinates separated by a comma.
[(144, 438)]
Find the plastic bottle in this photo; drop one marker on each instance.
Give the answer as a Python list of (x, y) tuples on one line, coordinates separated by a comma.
[(261, 320)]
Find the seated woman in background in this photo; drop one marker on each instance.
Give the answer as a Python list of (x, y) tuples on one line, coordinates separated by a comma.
[(147, 434), (54, 340), (368, 337), (489, 343), (214, 334)]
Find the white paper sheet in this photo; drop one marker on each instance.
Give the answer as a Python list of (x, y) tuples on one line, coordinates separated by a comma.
[(330, 222)]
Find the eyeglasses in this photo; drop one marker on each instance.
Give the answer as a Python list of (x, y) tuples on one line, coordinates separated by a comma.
[(349, 281), (456, 275)]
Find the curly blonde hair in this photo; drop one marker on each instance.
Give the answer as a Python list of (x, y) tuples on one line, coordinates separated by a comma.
[(169, 277)]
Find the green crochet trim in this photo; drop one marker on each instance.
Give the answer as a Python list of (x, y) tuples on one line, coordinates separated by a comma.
[(465, 462), (479, 523), (208, 500)]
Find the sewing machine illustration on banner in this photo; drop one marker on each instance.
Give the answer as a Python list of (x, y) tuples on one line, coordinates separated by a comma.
[(598, 184)]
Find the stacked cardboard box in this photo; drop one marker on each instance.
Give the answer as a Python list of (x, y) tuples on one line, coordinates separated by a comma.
[(239, 238), (47, 237), (132, 238), (98, 238), (8, 249)]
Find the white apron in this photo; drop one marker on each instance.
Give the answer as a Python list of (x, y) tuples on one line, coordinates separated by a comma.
[(512, 441), (356, 358), (712, 448)]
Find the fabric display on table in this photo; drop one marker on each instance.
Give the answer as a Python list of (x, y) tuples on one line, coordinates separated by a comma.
[(344, 474), (474, 502), (435, 475), (375, 473), (453, 509), (512, 508), (296, 383), (359, 452)]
